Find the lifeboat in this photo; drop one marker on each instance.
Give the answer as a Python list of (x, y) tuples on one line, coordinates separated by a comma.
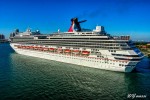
[(27, 47), (35, 48), (67, 51), (31, 47), (18, 46), (85, 52), (51, 49), (23, 47), (40, 48), (45, 49)]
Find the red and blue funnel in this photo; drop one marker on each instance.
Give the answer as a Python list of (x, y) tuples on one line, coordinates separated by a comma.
[(75, 25)]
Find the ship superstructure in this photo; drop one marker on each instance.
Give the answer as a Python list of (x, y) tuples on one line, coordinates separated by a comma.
[(94, 48)]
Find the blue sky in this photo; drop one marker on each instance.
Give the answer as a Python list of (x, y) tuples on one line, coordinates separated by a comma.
[(119, 17)]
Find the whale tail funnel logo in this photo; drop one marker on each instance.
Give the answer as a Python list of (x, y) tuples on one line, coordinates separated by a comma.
[(75, 25)]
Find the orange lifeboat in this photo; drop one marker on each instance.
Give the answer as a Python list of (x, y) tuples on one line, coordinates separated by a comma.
[(23, 47), (85, 52), (51, 49), (27, 47), (35, 48), (31, 47), (45, 49), (18, 46), (40, 48), (67, 51)]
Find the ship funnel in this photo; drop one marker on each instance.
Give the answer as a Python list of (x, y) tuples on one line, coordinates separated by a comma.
[(75, 25)]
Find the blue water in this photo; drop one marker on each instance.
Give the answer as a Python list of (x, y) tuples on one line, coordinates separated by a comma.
[(29, 78)]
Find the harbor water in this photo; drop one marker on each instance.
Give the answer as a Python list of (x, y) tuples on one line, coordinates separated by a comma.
[(29, 78)]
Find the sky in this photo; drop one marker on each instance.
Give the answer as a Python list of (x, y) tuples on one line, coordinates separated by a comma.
[(119, 17)]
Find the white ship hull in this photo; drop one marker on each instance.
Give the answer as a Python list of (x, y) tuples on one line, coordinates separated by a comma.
[(78, 60)]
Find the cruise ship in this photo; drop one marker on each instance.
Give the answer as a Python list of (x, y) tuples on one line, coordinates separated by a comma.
[(92, 48)]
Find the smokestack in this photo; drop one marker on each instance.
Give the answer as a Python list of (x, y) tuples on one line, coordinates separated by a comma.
[(75, 25)]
